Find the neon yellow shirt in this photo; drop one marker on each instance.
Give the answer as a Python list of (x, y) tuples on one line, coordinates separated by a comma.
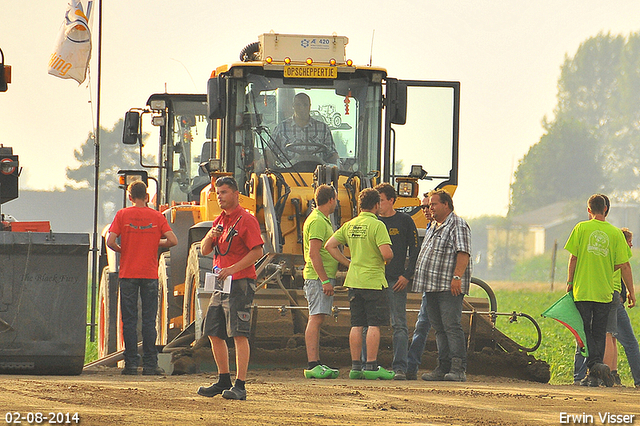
[(318, 227), (617, 275), (599, 246), (364, 234)]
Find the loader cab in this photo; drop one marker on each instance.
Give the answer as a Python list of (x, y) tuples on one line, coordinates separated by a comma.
[(404, 131), (177, 139), (258, 114)]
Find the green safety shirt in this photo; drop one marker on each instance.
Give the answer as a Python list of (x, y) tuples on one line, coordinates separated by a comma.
[(364, 234), (599, 246), (318, 227)]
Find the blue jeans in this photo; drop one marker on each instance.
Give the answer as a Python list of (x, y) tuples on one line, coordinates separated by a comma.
[(629, 342), (398, 309), (148, 289), (419, 340), (445, 314)]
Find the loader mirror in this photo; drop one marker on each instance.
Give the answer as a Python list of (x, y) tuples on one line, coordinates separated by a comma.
[(216, 98), (131, 131), (396, 101)]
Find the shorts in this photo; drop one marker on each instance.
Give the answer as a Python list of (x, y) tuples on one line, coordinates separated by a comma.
[(319, 303), (369, 307), (612, 321), (229, 315)]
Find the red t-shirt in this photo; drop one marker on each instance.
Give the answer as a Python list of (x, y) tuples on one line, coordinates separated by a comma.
[(248, 238), (140, 230)]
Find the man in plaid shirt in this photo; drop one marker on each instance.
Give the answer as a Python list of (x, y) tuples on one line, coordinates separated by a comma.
[(302, 138), (443, 271)]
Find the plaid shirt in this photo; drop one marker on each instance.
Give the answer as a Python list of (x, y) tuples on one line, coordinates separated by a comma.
[(288, 132), (437, 259)]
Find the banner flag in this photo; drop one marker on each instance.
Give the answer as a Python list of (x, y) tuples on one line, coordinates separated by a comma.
[(72, 52), (565, 312)]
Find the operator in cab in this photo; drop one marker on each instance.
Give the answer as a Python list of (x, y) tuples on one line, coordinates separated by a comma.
[(302, 138)]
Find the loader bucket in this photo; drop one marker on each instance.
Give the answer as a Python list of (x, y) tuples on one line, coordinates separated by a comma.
[(280, 314), (43, 302)]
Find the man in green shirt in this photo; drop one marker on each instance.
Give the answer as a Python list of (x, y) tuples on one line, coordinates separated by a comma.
[(370, 247), (319, 278), (597, 249)]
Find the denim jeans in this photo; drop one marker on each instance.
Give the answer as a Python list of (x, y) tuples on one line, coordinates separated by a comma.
[(148, 289), (445, 314), (594, 317), (419, 340), (398, 309), (629, 342)]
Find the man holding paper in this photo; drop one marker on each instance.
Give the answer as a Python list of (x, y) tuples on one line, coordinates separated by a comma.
[(236, 244)]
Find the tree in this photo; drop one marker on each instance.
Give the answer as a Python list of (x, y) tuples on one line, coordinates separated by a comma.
[(592, 143), (563, 165), (114, 156)]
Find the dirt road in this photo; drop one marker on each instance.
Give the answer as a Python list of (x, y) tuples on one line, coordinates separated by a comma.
[(283, 397)]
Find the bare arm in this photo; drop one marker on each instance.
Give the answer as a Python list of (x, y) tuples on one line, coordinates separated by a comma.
[(570, 273), (386, 252), (111, 242), (462, 260), (627, 277), (169, 240), (207, 243), (332, 248), (248, 260)]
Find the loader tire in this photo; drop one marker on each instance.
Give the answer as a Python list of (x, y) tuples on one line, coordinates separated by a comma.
[(107, 313), (168, 304), (197, 267)]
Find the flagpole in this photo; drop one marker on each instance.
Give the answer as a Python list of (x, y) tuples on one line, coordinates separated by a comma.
[(96, 142)]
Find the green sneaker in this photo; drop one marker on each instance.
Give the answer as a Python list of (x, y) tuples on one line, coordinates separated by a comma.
[(319, 372), (356, 374), (334, 371), (380, 373)]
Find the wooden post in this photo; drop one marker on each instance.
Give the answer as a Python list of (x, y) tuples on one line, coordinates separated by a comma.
[(552, 275)]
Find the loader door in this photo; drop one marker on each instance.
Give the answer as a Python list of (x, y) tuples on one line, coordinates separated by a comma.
[(421, 129)]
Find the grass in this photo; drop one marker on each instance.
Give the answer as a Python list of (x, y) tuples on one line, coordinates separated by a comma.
[(558, 344)]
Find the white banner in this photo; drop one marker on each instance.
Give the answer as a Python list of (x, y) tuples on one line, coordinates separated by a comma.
[(72, 52)]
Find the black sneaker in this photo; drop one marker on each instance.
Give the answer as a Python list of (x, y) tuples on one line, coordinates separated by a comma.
[(235, 393), (130, 371), (153, 371), (411, 375), (590, 380), (603, 372), (400, 375), (213, 390), (616, 378)]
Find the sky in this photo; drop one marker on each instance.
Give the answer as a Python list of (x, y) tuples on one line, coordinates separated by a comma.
[(506, 54)]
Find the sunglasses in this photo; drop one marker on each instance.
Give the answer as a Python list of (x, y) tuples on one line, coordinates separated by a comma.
[(229, 181), (423, 207)]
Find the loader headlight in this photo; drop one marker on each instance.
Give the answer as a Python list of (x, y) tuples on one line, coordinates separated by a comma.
[(407, 189)]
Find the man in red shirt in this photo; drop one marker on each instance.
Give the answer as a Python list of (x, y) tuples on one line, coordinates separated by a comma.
[(236, 243), (142, 230)]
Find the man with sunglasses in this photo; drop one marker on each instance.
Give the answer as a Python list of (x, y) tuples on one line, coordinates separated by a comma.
[(422, 327), (236, 241)]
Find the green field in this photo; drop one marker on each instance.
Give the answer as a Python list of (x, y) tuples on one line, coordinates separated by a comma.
[(558, 344)]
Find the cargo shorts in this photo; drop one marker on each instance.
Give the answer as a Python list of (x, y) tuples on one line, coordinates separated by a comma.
[(229, 315)]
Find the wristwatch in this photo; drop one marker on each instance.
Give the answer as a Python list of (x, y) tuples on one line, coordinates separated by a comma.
[(456, 277)]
